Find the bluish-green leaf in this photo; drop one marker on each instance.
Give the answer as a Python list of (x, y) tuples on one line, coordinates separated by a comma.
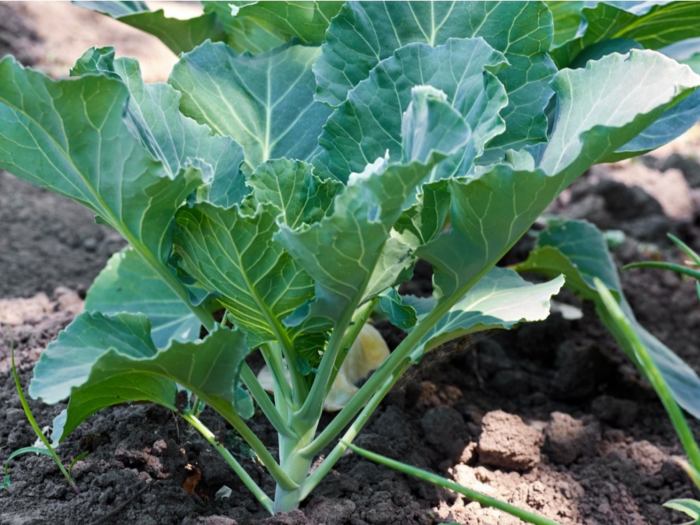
[(341, 251), (127, 284), (652, 24), (501, 299), (292, 187), (264, 102), (261, 26), (599, 108), (578, 250), (364, 33), (66, 363), (154, 116), (101, 361), (368, 123), (179, 35), (70, 136), (208, 368), (233, 255)]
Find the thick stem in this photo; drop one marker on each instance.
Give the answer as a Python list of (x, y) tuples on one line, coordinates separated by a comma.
[(207, 434), (297, 466)]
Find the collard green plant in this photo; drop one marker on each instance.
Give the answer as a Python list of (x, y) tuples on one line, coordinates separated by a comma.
[(286, 179)]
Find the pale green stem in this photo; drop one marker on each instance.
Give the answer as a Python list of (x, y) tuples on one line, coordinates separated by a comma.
[(207, 434), (380, 376), (327, 464), (297, 466), (312, 408), (280, 476), (263, 400)]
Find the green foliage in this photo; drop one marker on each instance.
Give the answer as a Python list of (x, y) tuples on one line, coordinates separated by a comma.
[(299, 161), (578, 250)]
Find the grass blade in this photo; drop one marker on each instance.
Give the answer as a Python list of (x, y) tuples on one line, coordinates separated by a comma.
[(487, 501), (49, 451)]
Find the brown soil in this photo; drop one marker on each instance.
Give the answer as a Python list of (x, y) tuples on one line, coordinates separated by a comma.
[(549, 416)]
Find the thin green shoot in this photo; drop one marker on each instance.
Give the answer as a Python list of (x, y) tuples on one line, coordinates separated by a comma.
[(49, 450), (483, 499), (628, 338)]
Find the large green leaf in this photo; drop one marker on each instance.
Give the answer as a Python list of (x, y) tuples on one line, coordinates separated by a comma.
[(264, 102), (341, 251), (599, 108), (208, 368), (567, 18), (233, 255), (604, 105), (101, 361), (652, 24), (364, 33), (604, 27), (67, 361), (261, 26), (293, 188), (127, 284), (368, 123), (501, 299), (179, 35), (579, 251), (177, 141), (70, 136)]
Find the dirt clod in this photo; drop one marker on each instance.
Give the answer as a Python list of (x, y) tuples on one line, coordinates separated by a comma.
[(568, 438), (508, 443)]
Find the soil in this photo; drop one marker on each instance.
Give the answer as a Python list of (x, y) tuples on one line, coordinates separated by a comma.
[(550, 416)]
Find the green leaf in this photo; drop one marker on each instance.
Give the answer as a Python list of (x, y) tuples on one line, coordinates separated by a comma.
[(69, 136), (368, 123), (234, 256), (262, 26), (578, 250), (399, 313), (653, 25), (127, 284), (179, 35), (341, 251), (208, 368), (490, 212), (567, 17), (501, 299), (364, 33), (617, 91), (672, 124), (264, 102), (690, 507), (178, 142), (67, 361), (101, 361), (488, 215), (294, 189)]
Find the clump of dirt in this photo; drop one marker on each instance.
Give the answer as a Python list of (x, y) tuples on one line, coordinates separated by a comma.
[(507, 442)]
